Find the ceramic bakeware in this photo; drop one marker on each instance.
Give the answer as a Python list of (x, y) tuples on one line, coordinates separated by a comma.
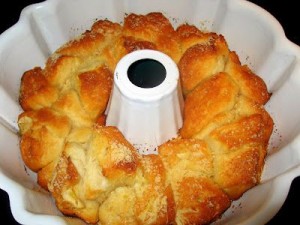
[(252, 32)]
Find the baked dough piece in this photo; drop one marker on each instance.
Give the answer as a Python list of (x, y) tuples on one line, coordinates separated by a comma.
[(205, 57), (148, 201), (43, 136), (190, 172), (94, 173), (94, 162)]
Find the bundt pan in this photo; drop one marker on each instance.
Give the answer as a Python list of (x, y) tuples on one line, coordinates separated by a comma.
[(252, 32)]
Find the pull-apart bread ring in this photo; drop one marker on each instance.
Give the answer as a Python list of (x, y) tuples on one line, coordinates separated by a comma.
[(94, 173)]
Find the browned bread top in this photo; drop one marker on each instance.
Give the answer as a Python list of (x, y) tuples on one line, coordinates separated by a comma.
[(94, 173)]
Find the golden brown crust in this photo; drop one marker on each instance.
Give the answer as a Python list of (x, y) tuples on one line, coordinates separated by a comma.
[(186, 158), (154, 28), (43, 133), (44, 175), (190, 35), (148, 201), (201, 61), (251, 85), (215, 96), (199, 201), (94, 90), (190, 171), (94, 173), (35, 91), (93, 163)]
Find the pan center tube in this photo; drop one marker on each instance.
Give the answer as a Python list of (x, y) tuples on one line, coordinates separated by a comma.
[(146, 102)]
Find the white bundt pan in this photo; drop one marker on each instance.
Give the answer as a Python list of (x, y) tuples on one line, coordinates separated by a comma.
[(252, 32)]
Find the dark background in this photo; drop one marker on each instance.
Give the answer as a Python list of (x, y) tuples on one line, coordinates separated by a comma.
[(286, 12)]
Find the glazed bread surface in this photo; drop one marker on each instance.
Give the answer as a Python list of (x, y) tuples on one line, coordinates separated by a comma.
[(94, 173)]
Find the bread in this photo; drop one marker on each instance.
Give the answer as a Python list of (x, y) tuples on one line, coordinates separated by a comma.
[(94, 173)]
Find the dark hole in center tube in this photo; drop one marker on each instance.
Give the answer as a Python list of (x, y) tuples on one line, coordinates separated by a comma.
[(146, 73)]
